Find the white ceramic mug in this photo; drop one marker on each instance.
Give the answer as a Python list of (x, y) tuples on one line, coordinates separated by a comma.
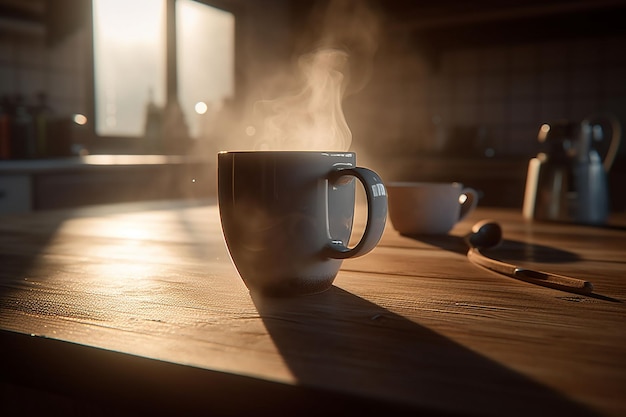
[(429, 208), (287, 216)]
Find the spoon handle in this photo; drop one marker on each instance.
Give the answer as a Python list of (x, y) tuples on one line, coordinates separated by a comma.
[(559, 282)]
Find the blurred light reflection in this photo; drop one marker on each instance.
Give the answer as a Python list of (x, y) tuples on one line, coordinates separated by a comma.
[(80, 119), (201, 107)]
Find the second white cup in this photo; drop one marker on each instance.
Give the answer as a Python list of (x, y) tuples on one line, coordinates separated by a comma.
[(429, 208)]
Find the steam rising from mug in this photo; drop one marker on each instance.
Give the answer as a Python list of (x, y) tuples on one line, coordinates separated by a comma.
[(311, 119)]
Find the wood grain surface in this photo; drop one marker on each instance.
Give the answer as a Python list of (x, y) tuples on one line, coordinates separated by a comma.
[(137, 307)]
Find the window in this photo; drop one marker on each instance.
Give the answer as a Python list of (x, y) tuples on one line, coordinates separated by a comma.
[(138, 77), (205, 45), (129, 63)]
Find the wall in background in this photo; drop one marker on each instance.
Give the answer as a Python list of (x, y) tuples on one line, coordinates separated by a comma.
[(487, 101)]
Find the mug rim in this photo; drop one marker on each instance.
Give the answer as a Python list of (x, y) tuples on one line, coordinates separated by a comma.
[(301, 152), (415, 184)]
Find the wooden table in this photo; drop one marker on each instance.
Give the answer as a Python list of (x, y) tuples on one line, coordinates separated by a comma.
[(136, 308)]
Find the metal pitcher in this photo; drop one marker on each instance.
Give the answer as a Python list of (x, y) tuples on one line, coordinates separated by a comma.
[(568, 180)]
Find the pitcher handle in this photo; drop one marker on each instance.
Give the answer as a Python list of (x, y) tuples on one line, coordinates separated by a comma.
[(616, 138)]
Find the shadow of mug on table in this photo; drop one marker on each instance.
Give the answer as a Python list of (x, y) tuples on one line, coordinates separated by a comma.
[(429, 208), (287, 216), (395, 363)]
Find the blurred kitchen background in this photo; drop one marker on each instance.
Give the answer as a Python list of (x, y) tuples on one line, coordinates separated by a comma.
[(109, 100)]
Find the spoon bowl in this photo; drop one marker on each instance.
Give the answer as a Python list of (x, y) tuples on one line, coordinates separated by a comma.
[(485, 234)]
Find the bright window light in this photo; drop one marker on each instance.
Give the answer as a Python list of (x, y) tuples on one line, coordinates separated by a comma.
[(129, 63), (205, 43)]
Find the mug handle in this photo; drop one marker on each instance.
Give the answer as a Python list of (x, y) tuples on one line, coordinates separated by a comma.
[(470, 202), (376, 194)]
